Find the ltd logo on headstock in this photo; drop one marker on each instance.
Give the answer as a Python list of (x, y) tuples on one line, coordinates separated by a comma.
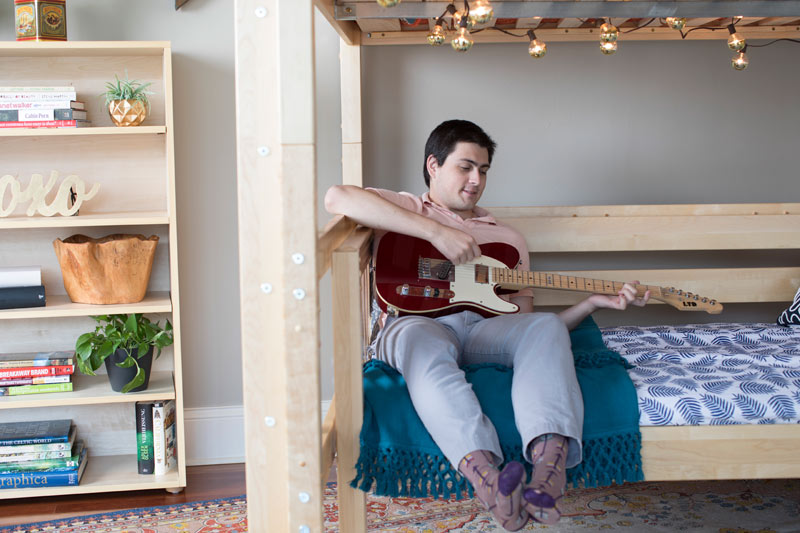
[(689, 304)]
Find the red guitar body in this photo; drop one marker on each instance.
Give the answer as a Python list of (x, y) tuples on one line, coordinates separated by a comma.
[(413, 278)]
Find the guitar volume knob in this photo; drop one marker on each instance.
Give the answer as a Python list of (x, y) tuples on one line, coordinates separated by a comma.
[(404, 289)]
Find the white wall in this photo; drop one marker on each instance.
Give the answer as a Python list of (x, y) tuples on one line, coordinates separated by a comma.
[(655, 123)]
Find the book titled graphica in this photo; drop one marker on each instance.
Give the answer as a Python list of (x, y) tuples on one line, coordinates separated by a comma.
[(21, 480)]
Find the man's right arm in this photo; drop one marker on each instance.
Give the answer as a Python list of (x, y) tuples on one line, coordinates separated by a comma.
[(371, 210)]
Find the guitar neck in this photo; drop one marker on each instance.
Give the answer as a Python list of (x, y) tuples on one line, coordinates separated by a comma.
[(521, 279)]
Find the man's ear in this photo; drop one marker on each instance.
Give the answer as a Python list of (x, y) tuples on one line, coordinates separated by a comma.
[(432, 164)]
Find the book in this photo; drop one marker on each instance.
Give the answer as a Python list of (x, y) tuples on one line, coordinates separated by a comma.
[(22, 115), (39, 432), (36, 371), (19, 297), (34, 456), (35, 448), (38, 96), (70, 462), (46, 124), (35, 381), (35, 389), (42, 104), (17, 360), (20, 276), (19, 480), (37, 89), (144, 437), (164, 450)]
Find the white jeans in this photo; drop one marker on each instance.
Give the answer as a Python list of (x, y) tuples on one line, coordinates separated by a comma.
[(544, 391)]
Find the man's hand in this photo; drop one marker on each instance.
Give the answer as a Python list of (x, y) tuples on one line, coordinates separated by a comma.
[(458, 247), (621, 301)]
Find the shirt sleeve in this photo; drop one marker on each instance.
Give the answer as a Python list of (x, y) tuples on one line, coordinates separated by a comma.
[(401, 199)]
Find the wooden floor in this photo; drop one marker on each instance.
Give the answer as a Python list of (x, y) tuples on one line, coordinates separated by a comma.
[(203, 483)]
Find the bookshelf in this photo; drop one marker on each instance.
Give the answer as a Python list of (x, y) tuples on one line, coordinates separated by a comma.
[(136, 172)]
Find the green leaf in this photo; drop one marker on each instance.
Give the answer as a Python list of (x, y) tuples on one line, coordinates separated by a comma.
[(135, 382), (127, 362), (130, 324), (84, 368)]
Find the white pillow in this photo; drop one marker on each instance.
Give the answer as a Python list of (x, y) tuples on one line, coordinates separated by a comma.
[(791, 316)]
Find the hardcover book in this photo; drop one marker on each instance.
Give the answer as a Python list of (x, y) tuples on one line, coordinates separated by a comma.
[(31, 359), (63, 464), (36, 371), (164, 434), (20, 390), (20, 276), (22, 115), (19, 297), (35, 448), (20, 480), (144, 437), (43, 380), (42, 432), (33, 456)]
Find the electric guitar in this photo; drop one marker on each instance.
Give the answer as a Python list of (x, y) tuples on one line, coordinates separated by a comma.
[(413, 277)]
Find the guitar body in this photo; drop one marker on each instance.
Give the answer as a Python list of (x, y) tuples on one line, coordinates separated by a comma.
[(413, 278)]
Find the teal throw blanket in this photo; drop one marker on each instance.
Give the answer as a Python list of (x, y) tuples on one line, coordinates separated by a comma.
[(399, 458)]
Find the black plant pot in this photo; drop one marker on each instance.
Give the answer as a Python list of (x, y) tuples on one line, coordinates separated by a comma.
[(119, 376)]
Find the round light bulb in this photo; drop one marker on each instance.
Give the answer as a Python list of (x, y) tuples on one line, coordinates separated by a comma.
[(388, 3), (437, 35), (676, 23), (537, 48), (740, 61), (608, 33), (462, 41), (480, 12), (457, 20), (736, 42), (608, 48)]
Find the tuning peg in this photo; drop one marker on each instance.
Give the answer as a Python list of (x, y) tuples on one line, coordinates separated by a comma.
[(705, 300), (713, 302)]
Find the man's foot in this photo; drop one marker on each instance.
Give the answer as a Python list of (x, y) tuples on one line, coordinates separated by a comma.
[(549, 480), (500, 492)]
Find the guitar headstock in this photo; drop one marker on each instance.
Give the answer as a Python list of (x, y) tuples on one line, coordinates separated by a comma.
[(688, 301)]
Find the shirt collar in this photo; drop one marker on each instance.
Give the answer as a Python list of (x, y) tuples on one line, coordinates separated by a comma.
[(481, 214)]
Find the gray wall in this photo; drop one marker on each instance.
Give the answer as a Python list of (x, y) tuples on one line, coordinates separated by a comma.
[(655, 123)]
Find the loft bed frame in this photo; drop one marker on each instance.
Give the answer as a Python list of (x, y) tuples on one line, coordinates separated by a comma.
[(282, 255)]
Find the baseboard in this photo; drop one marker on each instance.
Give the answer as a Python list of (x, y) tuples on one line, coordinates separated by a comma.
[(215, 435)]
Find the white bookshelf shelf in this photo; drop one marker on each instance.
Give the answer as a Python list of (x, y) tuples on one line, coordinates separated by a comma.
[(53, 132), (104, 473), (89, 390), (59, 305), (132, 218)]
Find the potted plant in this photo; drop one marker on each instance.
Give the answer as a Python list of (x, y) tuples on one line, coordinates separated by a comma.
[(126, 345), (127, 101)]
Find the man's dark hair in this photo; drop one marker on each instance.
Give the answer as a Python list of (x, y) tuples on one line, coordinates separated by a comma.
[(443, 139)]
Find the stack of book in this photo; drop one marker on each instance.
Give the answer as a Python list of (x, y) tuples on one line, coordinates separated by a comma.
[(40, 454), (41, 107), (21, 287), (36, 373), (156, 436)]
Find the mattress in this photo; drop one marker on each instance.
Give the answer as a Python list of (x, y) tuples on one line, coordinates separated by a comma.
[(712, 374)]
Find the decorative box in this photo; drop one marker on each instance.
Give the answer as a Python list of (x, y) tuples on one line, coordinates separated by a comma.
[(40, 20)]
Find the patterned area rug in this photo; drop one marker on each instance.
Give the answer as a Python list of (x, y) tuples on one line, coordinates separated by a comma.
[(771, 506)]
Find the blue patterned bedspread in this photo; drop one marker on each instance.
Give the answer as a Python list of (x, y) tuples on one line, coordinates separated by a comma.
[(712, 373)]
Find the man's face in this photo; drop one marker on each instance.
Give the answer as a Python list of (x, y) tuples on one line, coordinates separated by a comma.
[(458, 182)]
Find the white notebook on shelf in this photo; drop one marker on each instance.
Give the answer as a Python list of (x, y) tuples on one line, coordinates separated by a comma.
[(21, 276)]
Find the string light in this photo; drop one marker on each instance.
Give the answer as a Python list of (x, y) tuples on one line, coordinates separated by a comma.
[(676, 23), (537, 48), (736, 42), (481, 12), (740, 61), (458, 15), (462, 41), (437, 36), (608, 48), (608, 33), (388, 3)]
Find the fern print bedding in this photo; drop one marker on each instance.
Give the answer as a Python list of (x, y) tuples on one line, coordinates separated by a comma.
[(711, 374)]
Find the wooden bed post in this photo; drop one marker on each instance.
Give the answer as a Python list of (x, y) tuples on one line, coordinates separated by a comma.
[(347, 298), (277, 261)]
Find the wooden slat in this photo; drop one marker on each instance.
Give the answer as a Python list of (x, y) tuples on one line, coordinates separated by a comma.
[(529, 22), (778, 21), (347, 349), (348, 30), (570, 23), (276, 181), (328, 441), (646, 210), (720, 452), (368, 25), (334, 233), (726, 285), (350, 68), (585, 34), (595, 234)]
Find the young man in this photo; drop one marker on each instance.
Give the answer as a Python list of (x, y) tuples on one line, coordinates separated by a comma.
[(548, 407)]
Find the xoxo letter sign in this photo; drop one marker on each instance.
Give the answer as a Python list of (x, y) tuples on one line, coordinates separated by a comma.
[(37, 192)]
